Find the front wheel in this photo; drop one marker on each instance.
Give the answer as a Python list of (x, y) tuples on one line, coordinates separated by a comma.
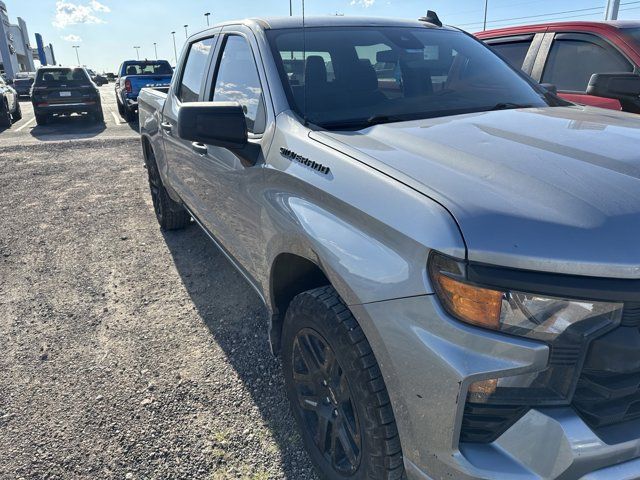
[(337, 393)]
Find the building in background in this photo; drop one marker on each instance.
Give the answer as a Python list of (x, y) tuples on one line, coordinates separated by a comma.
[(16, 53)]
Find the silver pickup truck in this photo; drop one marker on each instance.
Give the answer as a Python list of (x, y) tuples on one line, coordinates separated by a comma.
[(449, 253)]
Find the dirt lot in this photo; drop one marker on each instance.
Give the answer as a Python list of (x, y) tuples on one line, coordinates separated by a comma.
[(126, 352)]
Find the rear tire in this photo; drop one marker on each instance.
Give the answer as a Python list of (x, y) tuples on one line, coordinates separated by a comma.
[(170, 214), (337, 393), (17, 116), (120, 108), (129, 115), (5, 114), (42, 118), (98, 116)]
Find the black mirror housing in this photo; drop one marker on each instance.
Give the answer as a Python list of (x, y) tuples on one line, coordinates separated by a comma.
[(550, 87), (619, 86), (222, 124)]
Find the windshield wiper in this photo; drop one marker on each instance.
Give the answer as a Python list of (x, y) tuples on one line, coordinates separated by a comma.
[(509, 106), (362, 122)]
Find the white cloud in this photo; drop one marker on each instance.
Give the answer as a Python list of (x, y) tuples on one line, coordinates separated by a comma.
[(72, 38), (363, 3), (98, 7), (69, 13)]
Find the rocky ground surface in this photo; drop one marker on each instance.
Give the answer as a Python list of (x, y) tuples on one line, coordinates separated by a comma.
[(126, 352)]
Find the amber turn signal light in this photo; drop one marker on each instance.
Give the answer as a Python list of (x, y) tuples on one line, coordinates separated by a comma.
[(474, 305)]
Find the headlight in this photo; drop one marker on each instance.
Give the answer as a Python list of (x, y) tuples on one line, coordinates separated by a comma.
[(566, 325), (524, 314)]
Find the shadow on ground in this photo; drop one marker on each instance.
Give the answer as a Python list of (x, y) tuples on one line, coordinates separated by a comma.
[(66, 125), (214, 287)]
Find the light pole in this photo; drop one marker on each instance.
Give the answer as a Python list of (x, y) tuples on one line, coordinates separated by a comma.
[(137, 52), (291, 8), (76, 47), (613, 7), (175, 50), (155, 47), (186, 34), (486, 7), (207, 17)]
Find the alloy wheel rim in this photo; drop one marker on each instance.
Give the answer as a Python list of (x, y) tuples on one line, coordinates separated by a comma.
[(324, 401)]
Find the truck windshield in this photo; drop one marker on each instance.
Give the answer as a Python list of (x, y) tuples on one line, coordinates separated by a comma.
[(358, 76), (147, 68), (62, 76)]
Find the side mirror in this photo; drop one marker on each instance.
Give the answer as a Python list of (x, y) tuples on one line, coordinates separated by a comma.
[(213, 123), (550, 87), (620, 86)]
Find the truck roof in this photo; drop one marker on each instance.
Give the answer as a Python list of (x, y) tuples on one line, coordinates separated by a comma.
[(612, 24), (273, 23)]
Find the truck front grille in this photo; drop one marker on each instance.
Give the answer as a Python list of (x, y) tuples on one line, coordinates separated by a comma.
[(608, 390)]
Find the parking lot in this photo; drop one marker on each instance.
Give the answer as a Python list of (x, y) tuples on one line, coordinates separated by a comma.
[(126, 352)]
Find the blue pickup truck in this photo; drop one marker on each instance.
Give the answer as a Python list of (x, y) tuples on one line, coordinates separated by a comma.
[(134, 75)]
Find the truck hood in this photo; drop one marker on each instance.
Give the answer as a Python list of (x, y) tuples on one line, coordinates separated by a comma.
[(552, 189)]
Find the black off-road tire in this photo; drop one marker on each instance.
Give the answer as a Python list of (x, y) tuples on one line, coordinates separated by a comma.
[(129, 115), (321, 311), (170, 214), (17, 115), (5, 113)]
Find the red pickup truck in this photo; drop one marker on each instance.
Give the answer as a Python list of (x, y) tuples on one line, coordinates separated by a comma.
[(567, 54)]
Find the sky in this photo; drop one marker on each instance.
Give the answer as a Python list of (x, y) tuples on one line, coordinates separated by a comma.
[(108, 30)]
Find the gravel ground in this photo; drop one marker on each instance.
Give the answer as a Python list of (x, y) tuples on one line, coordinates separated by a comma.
[(126, 352)]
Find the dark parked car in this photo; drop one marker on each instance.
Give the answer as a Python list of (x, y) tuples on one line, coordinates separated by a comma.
[(98, 79), (9, 105), (64, 91), (568, 54), (23, 83)]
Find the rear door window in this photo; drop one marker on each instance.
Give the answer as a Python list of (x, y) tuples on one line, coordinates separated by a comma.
[(513, 51), (195, 69), (62, 76), (573, 58), (238, 80)]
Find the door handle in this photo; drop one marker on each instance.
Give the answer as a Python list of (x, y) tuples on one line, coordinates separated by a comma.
[(167, 127), (199, 148)]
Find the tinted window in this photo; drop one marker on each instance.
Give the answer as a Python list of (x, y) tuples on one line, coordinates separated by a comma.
[(514, 52), (394, 73), (237, 80), (147, 68), (571, 62), (62, 76), (633, 34), (194, 70)]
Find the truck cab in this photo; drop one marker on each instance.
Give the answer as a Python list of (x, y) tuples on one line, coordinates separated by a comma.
[(134, 75), (446, 251), (567, 54)]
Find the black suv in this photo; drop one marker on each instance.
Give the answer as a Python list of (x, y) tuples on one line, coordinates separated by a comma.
[(63, 91)]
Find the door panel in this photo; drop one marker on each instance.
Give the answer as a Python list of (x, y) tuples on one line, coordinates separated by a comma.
[(571, 60), (231, 181), (183, 163), (591, 100)]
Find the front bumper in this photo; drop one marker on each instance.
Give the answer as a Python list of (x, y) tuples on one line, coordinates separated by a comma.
[(428, 361)]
